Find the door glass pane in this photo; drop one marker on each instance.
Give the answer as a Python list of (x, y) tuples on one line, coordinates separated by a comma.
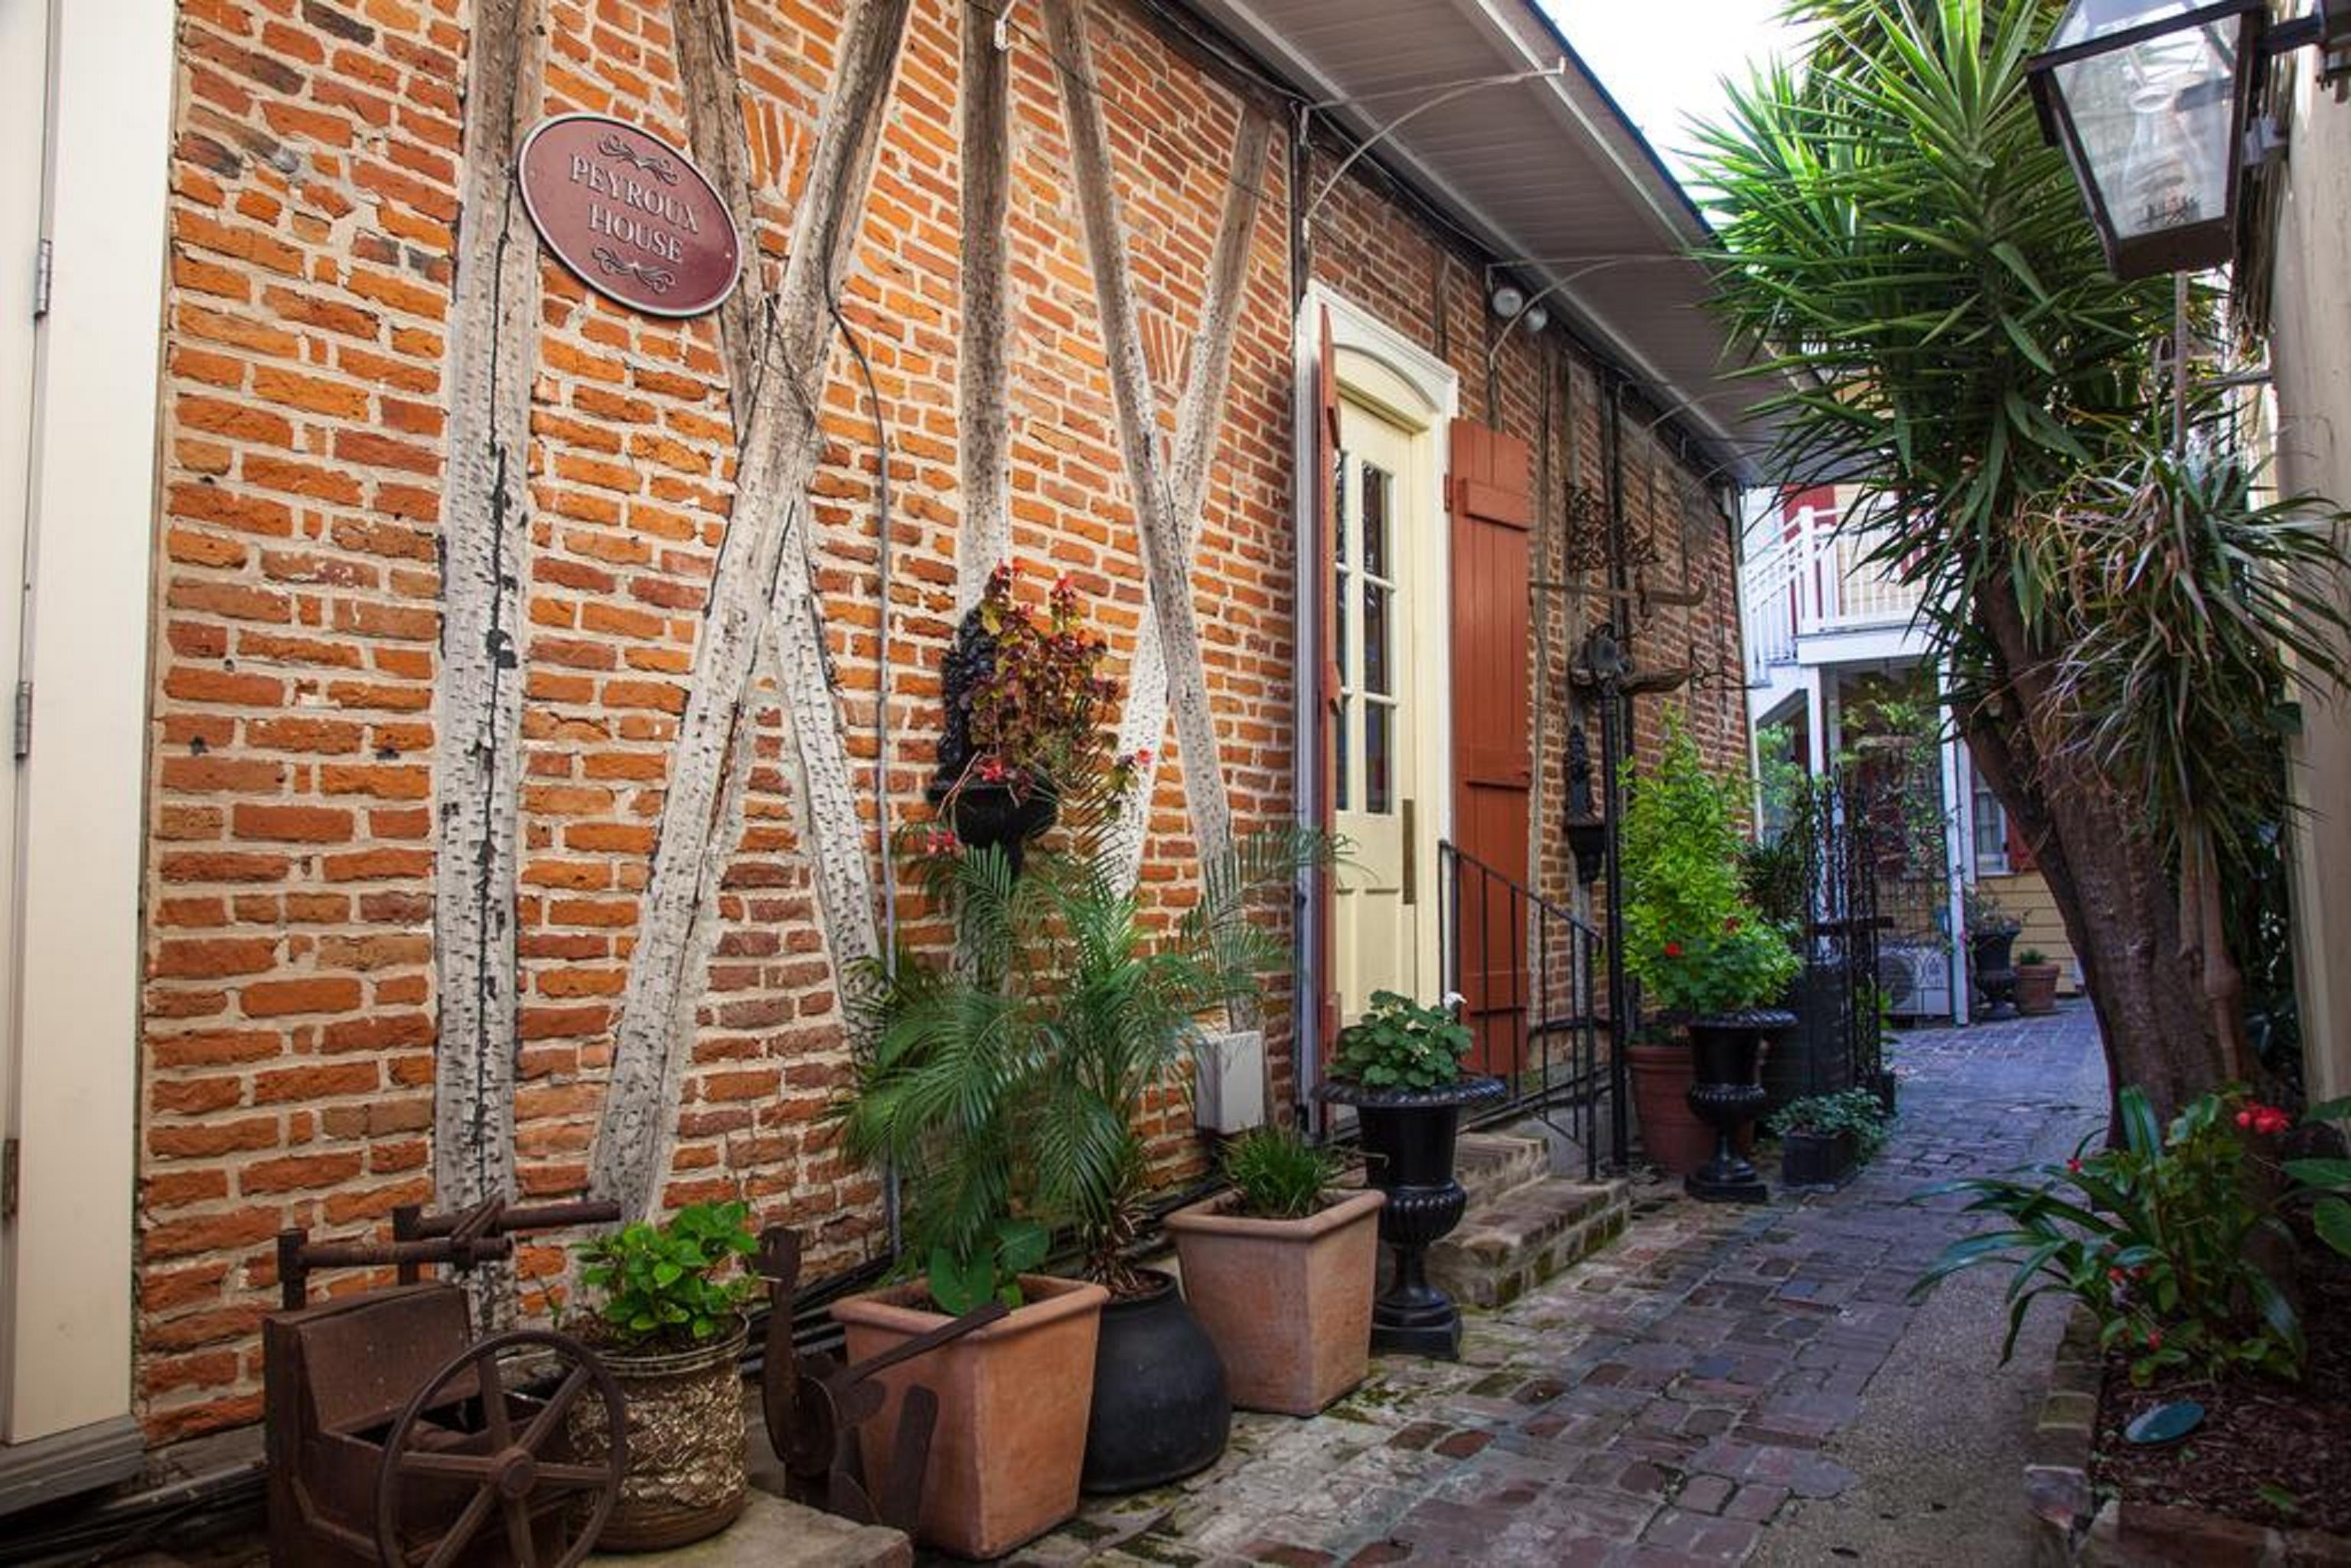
[(1377, 677), (1379, 728), (1375, 522), (1339, 501), (1339, 791)]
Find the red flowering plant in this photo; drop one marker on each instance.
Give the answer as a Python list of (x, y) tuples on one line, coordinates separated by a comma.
[(1028, 696), (2157, 1237), (1691, 937)]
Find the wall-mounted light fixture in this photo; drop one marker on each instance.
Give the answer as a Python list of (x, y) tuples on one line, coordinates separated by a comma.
[(1509, 303), (2149, 98)]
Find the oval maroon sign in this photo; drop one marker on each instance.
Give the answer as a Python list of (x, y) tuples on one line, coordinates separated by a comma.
[(630, 215)]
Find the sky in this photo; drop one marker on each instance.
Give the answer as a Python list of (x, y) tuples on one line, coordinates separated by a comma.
[(1664, 60)]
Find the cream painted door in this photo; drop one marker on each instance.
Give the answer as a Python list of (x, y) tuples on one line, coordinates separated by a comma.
[(24, 102), (1387, 788)]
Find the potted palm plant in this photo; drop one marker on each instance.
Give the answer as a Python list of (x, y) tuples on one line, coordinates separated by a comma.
[(1399, 1066), (1704, 955), (667, 1318), (1024, 694), (1003, 1081), (1280, 1271)]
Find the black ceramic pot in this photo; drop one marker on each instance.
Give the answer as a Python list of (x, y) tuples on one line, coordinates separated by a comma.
[(1816, 1159), (1995, 973), (1160, 1410), (1408, 1138), (989, 816), (1726, 1050)]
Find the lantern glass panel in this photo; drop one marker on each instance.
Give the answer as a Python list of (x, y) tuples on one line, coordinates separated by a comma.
[(2156, 119)]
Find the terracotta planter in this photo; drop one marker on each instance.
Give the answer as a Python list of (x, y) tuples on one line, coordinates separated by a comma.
[(1671, 1132), (685, 1477), (1013, 1401), (1288, 1303), (2036, 989)]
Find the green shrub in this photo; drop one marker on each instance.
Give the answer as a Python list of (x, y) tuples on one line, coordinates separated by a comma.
[(2032, 957), (1278, 1174), (1854, 1111), (2154, 1238), (1402, 1045), (1691, 937), (666, 1285), (2325, 1182)]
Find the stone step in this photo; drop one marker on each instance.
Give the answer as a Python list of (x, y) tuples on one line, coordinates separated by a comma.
[(1489, 1165), (774, 1533), (1507, 1245)]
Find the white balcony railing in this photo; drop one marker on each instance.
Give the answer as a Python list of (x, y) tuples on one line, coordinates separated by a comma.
[(1815, 579)]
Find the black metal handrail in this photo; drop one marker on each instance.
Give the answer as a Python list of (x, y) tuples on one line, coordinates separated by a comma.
[(1530, 994)]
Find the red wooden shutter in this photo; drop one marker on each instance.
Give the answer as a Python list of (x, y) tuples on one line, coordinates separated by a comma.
[(1490, 497), (2019, 854), (1325, 737)]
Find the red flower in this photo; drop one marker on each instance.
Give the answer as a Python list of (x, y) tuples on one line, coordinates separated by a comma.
[(2154, 1339), (1731, 924), (2074, 1165), (1142, 756), (2244, 1118), (1673, 949), (993, 770), (2267, 1120), (2116, 1275)]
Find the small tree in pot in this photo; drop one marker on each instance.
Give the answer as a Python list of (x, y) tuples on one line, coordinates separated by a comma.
[(1008, 1078), (668, 1322), (1400, 1067), (1702, 954), (1280, 1271)]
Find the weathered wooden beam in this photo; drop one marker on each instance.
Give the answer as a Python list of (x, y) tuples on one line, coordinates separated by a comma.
[(1166, 562), (781, 446), (1199, 415), (983, 370), (486, 514)]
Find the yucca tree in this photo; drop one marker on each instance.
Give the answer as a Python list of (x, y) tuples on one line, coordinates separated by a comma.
[(1012, 1076), (1904, 247)]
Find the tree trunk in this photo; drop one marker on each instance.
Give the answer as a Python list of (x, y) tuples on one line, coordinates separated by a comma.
[(2110, 882)]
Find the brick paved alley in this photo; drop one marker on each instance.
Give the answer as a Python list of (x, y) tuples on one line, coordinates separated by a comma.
[(1721, 1383)]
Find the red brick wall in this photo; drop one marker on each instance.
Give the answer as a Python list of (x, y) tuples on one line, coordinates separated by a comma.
[(289, 1009)]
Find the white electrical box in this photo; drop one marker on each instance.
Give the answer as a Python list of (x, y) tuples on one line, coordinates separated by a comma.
[(1231, 1093)]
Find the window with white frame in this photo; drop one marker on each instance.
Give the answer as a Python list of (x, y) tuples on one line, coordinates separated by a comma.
[(1988, 823)]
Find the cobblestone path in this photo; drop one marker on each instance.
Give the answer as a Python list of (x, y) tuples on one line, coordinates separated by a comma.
[(1719, 1377)]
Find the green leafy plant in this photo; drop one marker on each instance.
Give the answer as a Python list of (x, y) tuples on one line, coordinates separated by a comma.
[(669, 1285), (1033, 718), (1854, 1111), (1691, 937), (1006, 1076), (2032, 958), (1401, 1044), (2325, 1184), (1987, 916), (991, 1271), (1278, 1174), (2155, 1236)]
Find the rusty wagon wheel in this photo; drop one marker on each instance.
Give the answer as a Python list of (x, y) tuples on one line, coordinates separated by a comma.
[(516, 1471)]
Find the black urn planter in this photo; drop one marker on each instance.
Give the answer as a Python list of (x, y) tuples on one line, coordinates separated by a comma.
[(1816, 1159), (1725, 1052), (1995, 973), (1161, 1408), (989, 816), (1408, 1137)]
